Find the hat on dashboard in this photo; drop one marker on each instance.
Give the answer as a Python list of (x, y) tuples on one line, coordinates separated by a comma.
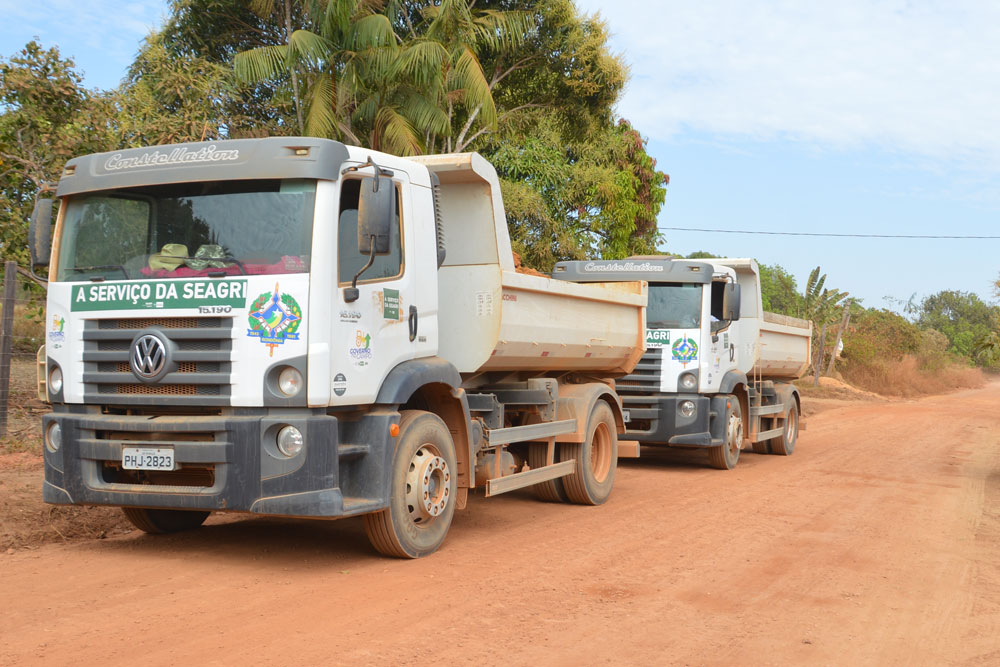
[(209, 255), (171, 256)]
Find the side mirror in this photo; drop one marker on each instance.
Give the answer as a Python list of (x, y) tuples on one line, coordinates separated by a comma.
[(40, 233), (731, 302), (375, 213)]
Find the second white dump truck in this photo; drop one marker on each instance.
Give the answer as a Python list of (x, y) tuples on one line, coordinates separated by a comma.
[(717, 369), (294, 327)]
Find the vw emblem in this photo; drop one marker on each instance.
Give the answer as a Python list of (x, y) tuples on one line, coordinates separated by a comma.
[(149, 356)]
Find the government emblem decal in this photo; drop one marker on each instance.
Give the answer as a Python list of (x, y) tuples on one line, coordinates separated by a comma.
[(274, 318), (684, 350)]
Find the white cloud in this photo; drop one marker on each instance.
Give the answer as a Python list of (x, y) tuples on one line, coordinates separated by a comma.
[(920, 77)]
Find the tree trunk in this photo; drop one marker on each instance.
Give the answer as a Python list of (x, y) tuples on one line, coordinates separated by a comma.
[(295, 76), (840, 332), (819, 357)]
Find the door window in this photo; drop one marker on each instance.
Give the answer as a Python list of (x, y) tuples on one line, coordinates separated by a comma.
[(350, 261)]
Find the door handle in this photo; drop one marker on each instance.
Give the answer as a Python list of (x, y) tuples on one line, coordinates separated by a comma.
[(732, 352), (413, 323)]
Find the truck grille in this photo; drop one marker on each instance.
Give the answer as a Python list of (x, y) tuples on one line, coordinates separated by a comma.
[(645, 377), (203, 350)]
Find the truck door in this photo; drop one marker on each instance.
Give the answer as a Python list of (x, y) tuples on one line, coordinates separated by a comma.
[(372, 334)]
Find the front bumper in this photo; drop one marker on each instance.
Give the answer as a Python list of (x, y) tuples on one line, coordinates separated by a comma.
[(655, 419), (222, 462)]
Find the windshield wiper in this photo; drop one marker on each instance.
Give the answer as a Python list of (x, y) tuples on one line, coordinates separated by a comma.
[(101, 267)]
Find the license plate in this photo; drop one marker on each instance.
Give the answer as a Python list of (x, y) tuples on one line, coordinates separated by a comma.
[(626, 417), (147, 458)]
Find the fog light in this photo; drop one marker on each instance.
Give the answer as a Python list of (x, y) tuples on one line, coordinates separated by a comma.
[(55, 380), (290, 381), (53, 437), (687, 408), (688, 381), (290, 441)]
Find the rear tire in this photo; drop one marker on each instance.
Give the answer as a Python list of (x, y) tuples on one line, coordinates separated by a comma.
[(596, 459), (424, 483), (784, 444), (725, 456), (159, 522), (552, 491)]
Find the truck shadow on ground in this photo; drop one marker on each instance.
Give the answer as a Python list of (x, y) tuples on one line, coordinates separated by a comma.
[(234, 538)]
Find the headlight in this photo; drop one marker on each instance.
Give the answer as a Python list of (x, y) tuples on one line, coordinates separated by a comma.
[(290, 381), (53, 437), (55, 380), (688, 381), (290, 441), (686, 408)]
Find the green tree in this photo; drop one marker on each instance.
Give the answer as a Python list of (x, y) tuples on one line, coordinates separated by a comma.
[(961, 316), (46, 117), (779, 291), (171, 98), (986, 349), (878, 336)]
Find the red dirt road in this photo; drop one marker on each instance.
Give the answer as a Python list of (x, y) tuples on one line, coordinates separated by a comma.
[(878, 542)]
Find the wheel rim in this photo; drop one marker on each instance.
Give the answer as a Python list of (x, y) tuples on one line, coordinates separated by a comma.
[(600, 452), (791, 428), (428, 485), (735, 434)]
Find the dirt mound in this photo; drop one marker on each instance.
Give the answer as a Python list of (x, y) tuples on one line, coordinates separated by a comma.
[(520, 268)]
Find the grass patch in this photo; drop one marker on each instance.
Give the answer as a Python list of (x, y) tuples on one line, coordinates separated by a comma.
[(910, 377)]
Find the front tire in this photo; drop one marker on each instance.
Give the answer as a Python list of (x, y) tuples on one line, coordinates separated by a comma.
[(784, 444), (596, 459), (423, 490), (159, 522), (725, 456)]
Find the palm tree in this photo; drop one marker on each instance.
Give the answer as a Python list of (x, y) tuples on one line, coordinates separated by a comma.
[(368, 85), (987, 348)]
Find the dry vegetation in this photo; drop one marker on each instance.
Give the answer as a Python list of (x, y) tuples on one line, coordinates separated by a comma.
[(909, 377), (25, 521), (29, 327)]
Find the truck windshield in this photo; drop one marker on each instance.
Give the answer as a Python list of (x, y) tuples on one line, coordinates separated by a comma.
[(674, 306), (188, 229)]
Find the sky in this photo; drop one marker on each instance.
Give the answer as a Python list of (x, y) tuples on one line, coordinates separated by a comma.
[(854, 117)]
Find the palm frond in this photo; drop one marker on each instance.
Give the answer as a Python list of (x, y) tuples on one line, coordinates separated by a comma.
[(468, 74), (321, 118), (260, 64), (308, 46), (507, 30), (397, 133), (425, 115), (372, 31), (262, 8), (421, 61)]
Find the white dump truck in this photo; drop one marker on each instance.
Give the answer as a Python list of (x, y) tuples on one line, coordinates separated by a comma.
[(717, 369), (294, 327)]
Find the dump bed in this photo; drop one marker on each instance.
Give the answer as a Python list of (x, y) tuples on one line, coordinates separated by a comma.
[(785, 346), (785, 343), (493, 318)]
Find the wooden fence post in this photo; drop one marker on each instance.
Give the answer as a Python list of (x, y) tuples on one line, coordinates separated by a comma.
[(6, 339), (818, 366), (840, 332)]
